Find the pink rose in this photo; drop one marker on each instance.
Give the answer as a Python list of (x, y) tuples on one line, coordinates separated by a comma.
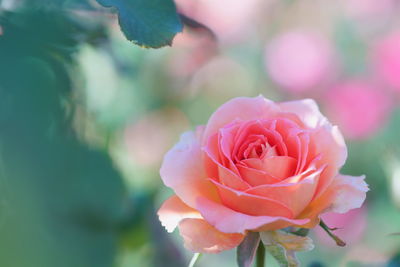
[(256, 166)]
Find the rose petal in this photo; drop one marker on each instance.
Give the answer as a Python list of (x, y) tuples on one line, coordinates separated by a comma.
[(256, 177), (229, 221), (327, 142), (307, 110), (345, 193), (242, 108), (264, 128), (252, 204), (183, 170), (279, 167), (296, 196), (350, 193), (302, 159), (200, 236), (228, 178), (216, 171), (173, 210)]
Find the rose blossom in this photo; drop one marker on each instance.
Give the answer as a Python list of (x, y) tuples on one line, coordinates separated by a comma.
[(256, 166)]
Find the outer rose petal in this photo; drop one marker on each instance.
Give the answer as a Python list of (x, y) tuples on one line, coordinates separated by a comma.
[(200, 236), (345, 193), (350, 193), (252, 204), (229, 221), (326, 139), (173, 210), (307, 110), (300, 193), (183, 170), (329, 143), (242, 108)]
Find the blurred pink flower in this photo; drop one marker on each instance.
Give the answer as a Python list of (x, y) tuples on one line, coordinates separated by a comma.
[(352, 226), (369, 8), (386, 60), (229, 19), (358, 108), (299, 60)]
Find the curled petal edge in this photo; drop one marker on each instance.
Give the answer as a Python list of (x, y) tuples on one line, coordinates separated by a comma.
[(229, 221)]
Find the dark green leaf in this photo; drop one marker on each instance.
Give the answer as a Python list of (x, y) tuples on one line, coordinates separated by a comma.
[(148, 23)]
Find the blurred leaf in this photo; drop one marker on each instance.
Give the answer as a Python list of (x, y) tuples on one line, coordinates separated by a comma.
[(197, 26), (316, 264), (81, 4), (395, 261), (283, 246), (61, 202), (247, 249), (148, 23), (165, 253), (135, 231), (46, 33), (301, 232), (352, 47)]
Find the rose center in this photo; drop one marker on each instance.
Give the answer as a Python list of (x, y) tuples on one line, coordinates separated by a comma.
[(258, 148)]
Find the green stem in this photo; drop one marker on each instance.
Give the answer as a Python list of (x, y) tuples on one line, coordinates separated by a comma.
[(328, 230), (195, 258), (260, 258)]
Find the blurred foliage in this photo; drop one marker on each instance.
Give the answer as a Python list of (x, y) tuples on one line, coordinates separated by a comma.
[(62, 201)]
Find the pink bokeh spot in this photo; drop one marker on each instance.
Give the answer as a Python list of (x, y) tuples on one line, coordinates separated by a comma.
[(386, 60), (352, 226), (298, 60), (229, 19), (358, 108)]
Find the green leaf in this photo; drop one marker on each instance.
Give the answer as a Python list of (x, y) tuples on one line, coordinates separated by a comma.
[(148, 23), (283, 246), (247, 249)]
